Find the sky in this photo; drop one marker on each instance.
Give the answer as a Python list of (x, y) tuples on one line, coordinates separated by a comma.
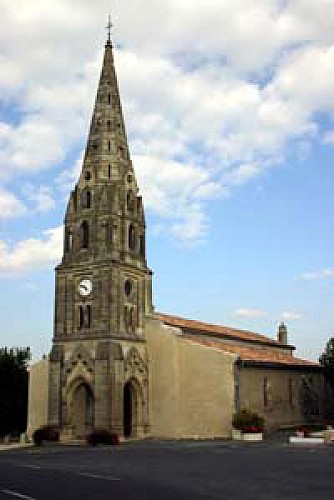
[(229, 109)]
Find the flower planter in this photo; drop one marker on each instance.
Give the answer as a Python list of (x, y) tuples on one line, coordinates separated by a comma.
[(252, 436), (237, 434), (305, 440)]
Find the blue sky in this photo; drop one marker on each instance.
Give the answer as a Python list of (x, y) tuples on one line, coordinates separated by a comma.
[(229, 112)]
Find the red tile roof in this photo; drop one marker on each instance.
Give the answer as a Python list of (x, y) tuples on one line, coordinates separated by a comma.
[(194, 331), (215, 330), (258, 355)]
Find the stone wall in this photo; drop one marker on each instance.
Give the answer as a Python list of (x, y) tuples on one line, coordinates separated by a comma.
[(191, 386), (282, 396), (38, 395)]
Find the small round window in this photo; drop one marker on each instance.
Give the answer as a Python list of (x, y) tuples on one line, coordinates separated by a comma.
[(128, 288)]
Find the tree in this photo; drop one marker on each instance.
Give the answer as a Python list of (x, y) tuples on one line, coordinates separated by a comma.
[(327, 361), (13, 389)]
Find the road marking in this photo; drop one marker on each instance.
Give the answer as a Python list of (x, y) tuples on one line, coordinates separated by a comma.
[(17, 495), (28, 466), (97, 476)]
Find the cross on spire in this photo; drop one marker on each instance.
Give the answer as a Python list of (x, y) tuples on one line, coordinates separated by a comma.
[(108, 28)]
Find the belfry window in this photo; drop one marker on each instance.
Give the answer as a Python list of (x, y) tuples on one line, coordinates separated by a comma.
[(132, 237), (81, 317), (84, 234), (86, 198), (68, 240), (88, 316)]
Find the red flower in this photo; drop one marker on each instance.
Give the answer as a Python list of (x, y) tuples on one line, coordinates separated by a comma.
[(304, 431), (252, 429)]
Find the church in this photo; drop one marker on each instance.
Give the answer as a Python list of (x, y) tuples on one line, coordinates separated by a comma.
[(117, 364)]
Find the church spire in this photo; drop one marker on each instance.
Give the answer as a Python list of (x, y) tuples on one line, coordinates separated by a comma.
[(107, 156), (105, 215)]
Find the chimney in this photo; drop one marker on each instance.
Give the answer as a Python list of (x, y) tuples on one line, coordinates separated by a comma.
[(282, 334)]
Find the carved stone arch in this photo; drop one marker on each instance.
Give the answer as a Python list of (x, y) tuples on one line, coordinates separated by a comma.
[(75, 382), (135, 366), (79, 355)]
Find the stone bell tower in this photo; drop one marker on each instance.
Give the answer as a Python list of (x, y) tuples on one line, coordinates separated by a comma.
[(98, 363)]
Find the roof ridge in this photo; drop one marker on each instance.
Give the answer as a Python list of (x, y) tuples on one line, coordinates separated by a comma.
[(230, 330)]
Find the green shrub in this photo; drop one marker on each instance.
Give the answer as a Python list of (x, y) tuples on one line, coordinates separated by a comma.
[(249, 421), (102, 436), (45, 433)]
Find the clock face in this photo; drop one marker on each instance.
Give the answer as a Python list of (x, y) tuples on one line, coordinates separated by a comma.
[(85, 287)]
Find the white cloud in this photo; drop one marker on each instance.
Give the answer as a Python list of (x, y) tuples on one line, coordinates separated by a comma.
[(10, 206), (321, 274), (32, 254), (202, 91), (250, 313), (176, 191), (328, 137), (41, 196), (290, 315)]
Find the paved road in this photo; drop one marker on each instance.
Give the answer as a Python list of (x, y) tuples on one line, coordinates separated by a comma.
[(169, 470)]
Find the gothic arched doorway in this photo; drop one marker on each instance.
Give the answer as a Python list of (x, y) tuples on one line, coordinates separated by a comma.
[(128, 403), (82, 409), (132, 408)]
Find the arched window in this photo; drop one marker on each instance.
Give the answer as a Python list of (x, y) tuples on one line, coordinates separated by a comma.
[(86, 198), (84, 234), (108, 125), (109, 98), (109, 145), (68, 240), (132, 237), (88, 316), (109, 170), (81, 317)]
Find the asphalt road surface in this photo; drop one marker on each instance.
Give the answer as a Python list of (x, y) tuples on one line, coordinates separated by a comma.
[(169, 470)]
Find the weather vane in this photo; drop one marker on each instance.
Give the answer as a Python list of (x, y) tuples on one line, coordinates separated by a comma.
[(109, 26)]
